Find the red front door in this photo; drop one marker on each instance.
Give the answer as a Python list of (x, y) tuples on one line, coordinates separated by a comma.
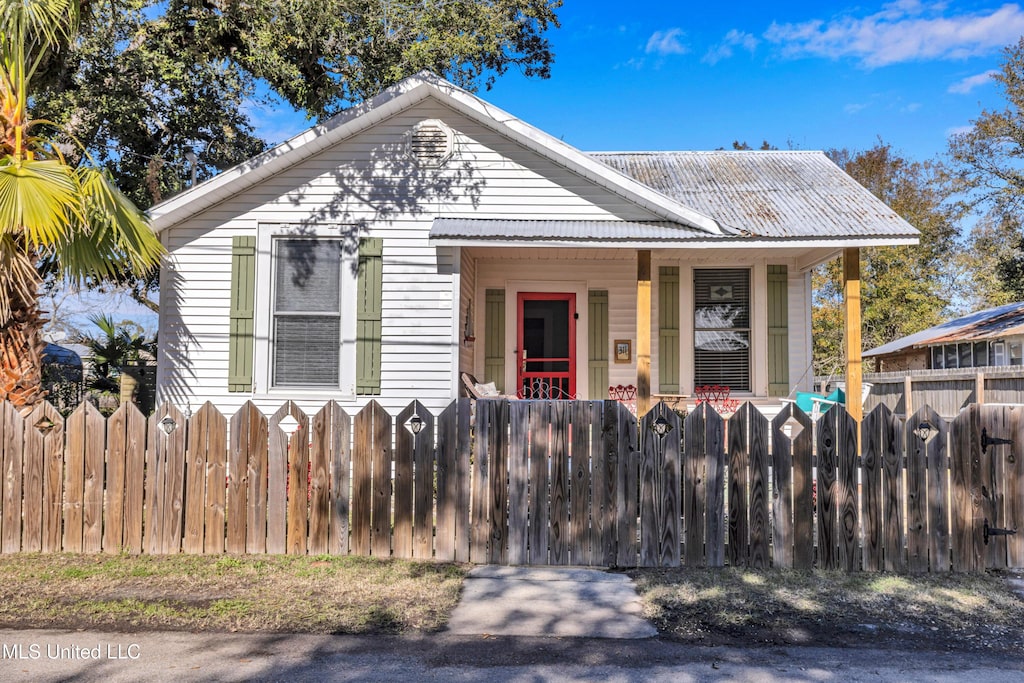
[(546, 346)]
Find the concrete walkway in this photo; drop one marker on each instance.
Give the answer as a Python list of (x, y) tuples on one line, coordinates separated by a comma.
[(561, 602)]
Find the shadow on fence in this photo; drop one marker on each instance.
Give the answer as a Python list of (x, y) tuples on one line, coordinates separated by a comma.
[(523, 482)]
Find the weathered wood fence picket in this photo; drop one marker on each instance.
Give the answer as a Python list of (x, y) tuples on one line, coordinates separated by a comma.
[(523, 482)]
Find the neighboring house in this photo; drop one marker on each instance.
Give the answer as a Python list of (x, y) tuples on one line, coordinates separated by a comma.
[(426, 233), (63, 374), (993, 337)]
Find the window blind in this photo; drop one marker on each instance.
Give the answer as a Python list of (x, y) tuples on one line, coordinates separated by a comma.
[(722, 328), (307, 318)]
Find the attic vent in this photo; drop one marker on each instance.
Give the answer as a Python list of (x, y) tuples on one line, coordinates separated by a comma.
[(431, 143)]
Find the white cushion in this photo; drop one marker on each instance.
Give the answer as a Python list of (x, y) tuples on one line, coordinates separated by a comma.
[(487, 389)]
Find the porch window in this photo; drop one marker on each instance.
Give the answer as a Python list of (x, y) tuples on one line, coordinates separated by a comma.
[(980, 354), (721, 323), (307, 312), (999, 353)]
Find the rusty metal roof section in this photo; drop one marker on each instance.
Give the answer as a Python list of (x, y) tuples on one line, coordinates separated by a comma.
[(773, 194), (991, 323)]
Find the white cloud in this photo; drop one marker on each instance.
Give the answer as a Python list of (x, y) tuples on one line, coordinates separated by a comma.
[(958, 130), (855, 108), (901, 32), (966, 85), (668, 42), (724, 50), (632, 63)]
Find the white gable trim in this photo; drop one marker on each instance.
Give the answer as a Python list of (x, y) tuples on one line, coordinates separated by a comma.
[(393, 100)]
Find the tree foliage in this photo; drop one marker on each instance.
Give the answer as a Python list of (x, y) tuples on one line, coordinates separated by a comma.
[(146, 84), (989, 160), (989, 157), (904, 289), (983, 268), (117, 345)]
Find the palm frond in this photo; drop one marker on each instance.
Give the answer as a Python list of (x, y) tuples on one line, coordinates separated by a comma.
[(117, 234), (38, 199), (38, 23)]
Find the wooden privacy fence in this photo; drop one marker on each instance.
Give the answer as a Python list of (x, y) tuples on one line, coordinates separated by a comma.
[(523, 482), (946, 391)]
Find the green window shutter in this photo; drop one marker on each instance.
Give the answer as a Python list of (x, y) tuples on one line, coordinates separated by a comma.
[(668, 330), (368, 316), (243, 298), (494, 338), (598, 343), (778, 331)]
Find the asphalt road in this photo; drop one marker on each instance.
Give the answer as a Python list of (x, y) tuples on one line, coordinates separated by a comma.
[(153, 657)]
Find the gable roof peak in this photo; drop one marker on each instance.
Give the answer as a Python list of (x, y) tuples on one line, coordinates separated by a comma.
[(393, 99)]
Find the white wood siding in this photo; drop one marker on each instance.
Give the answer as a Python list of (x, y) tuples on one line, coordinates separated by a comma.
[(367, 186)]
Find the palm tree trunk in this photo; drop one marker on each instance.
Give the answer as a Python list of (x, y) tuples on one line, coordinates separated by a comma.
[(21, 356), (129, 384)]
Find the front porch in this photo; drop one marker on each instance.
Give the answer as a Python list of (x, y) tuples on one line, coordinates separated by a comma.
[(573, 322)]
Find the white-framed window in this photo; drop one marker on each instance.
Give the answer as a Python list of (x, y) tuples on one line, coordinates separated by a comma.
[(306, 340), (306, 346), (721, 328), (999, 356), (970, 355)]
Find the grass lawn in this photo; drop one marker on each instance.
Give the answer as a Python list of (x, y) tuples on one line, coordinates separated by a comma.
[(356, 595), (226, 593)]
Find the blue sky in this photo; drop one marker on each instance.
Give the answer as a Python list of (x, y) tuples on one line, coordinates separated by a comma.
[(648, 75)]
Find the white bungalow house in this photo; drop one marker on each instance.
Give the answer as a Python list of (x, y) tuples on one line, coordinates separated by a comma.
[(426, 233)]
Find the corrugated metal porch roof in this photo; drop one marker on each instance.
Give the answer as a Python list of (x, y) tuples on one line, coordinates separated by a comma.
[(560, 230)]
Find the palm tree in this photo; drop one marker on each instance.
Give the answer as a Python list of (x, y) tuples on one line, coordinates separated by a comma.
[(113, 351), (53, 213)]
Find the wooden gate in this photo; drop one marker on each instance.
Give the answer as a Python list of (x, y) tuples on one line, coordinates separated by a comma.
[(549, 483)]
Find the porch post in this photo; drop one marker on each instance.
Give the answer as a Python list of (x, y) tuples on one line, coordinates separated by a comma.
[(643, 331), (851, 315)]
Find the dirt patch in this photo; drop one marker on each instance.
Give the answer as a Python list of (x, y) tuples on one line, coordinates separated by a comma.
[(736, 607)]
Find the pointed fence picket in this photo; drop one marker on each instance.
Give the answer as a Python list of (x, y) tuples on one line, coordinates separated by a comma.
[(523, 482)]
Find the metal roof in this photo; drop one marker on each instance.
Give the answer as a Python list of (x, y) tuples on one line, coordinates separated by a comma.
[(765, 193), (772, 195), (61, 355), (1000, 321), (484, 229)]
